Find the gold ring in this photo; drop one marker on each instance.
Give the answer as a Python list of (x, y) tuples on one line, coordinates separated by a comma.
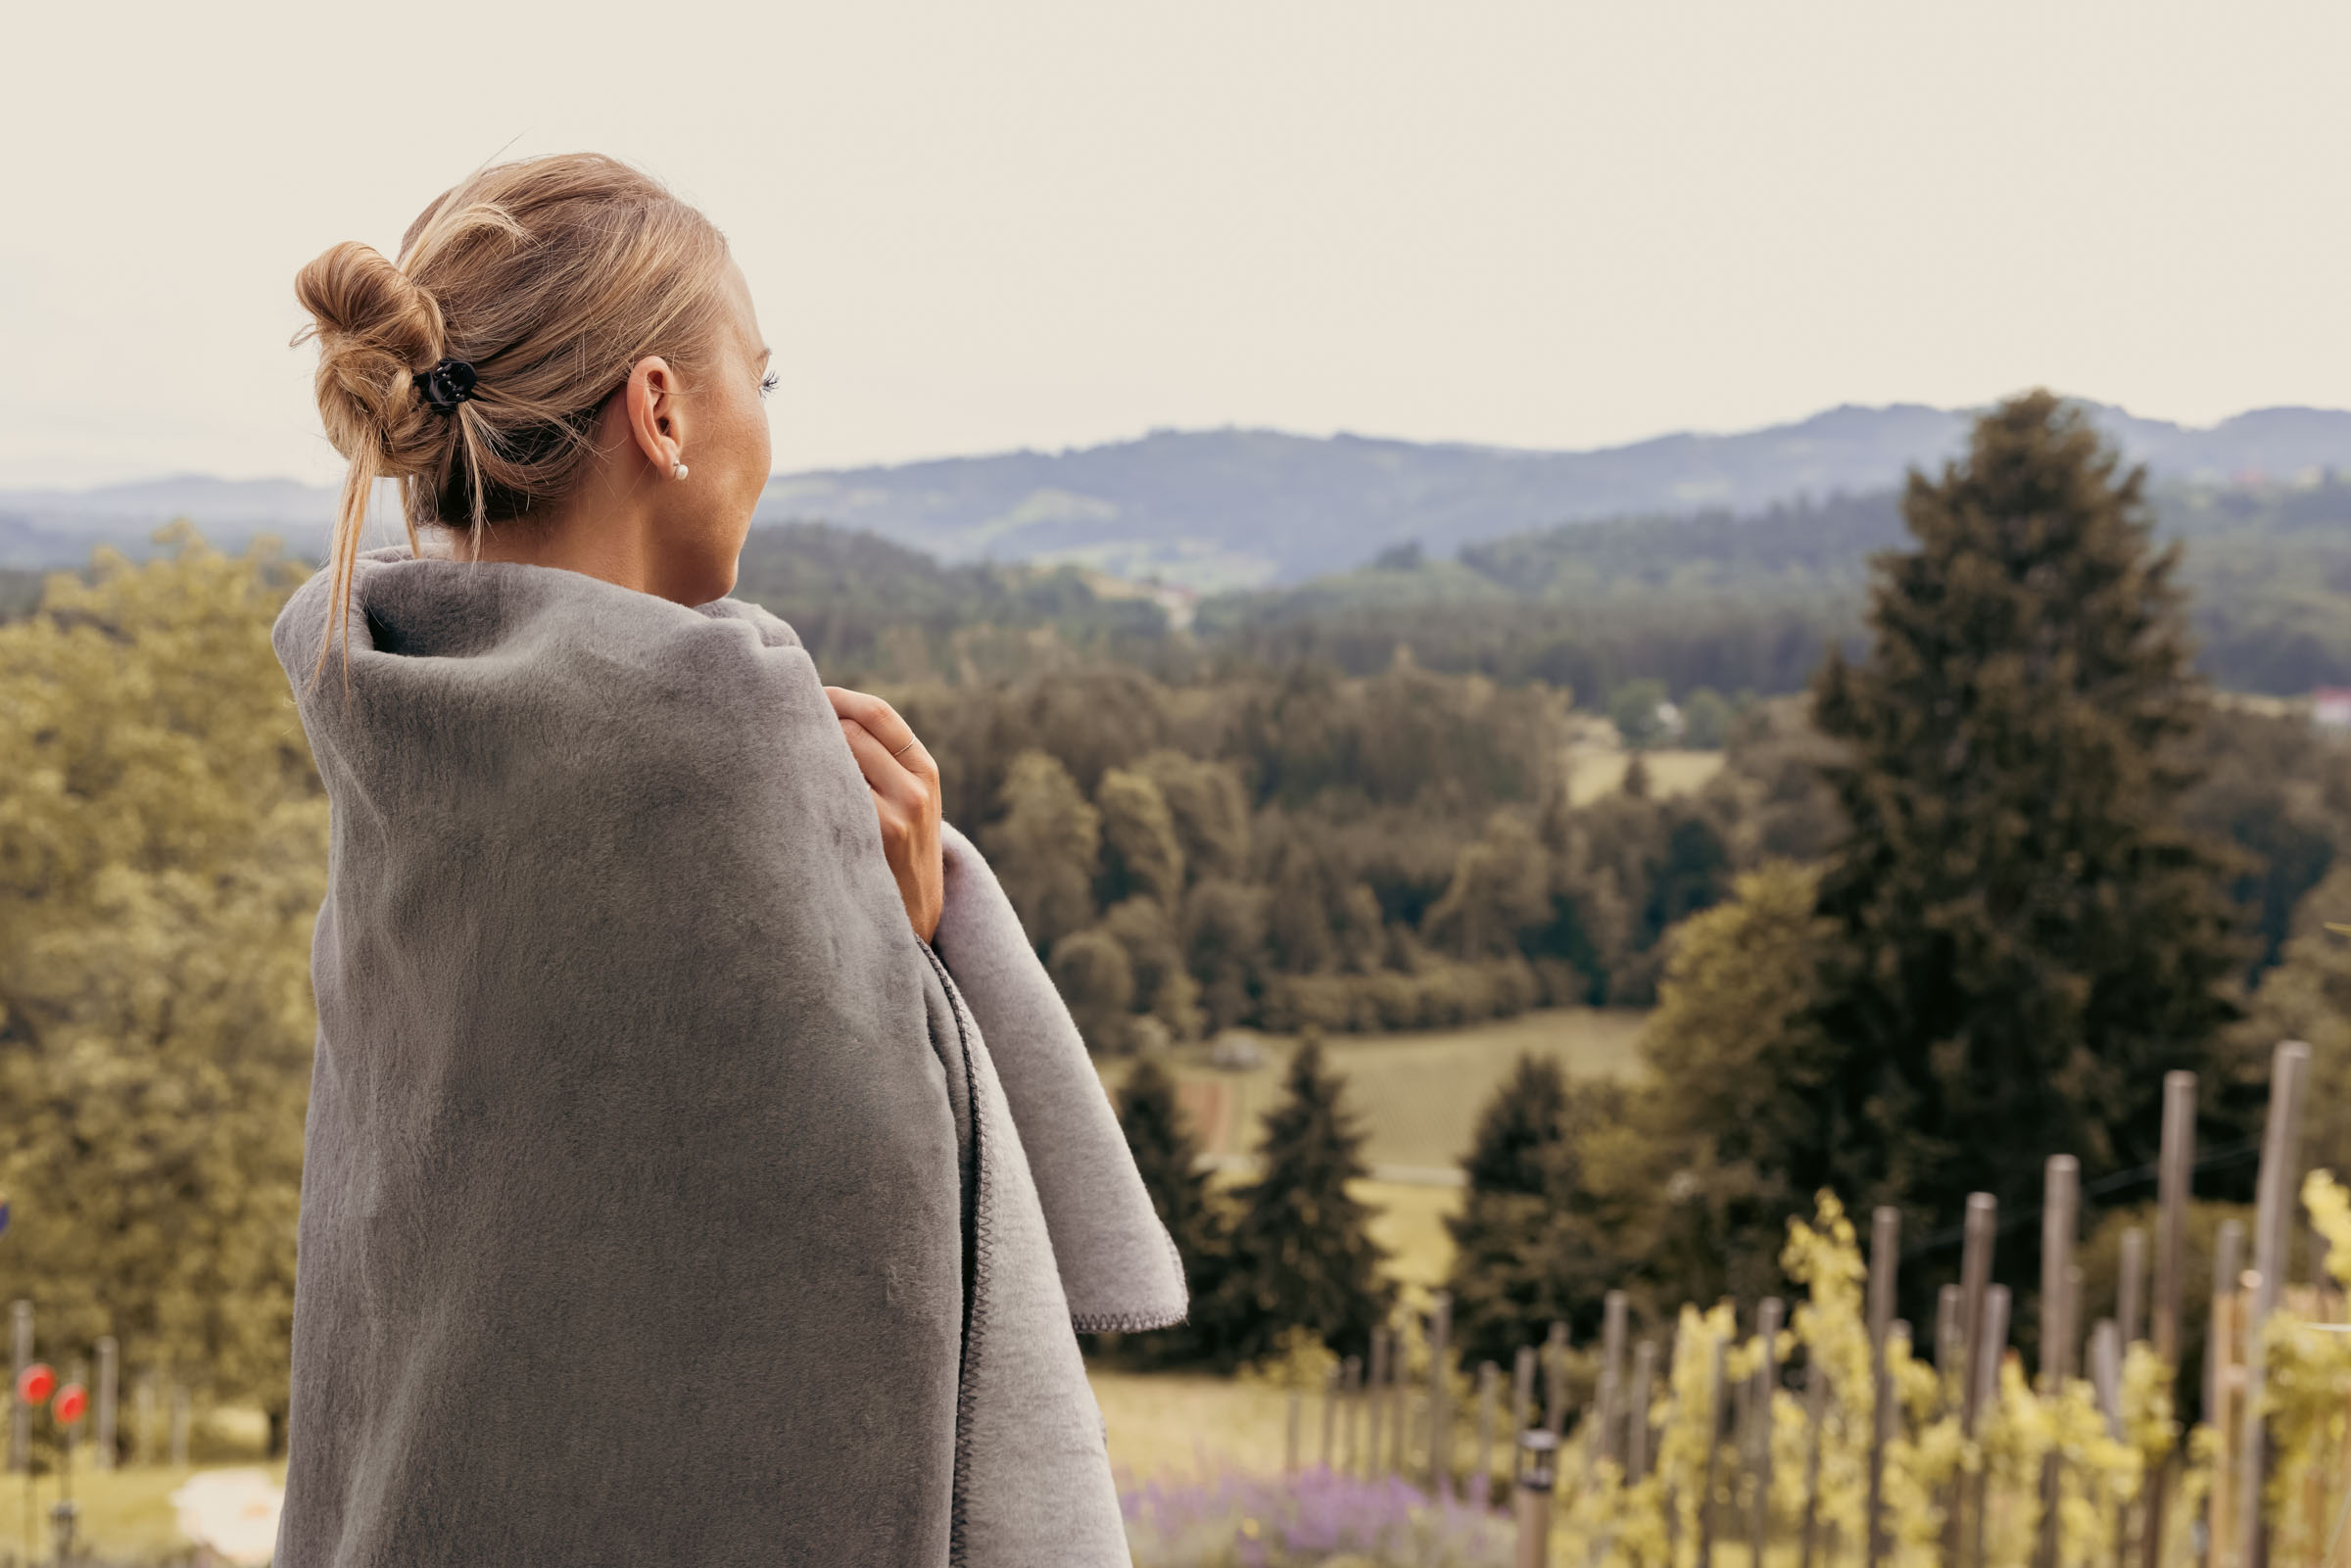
[(908, 747)]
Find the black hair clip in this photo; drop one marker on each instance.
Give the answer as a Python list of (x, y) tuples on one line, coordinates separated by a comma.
[(446, 385)]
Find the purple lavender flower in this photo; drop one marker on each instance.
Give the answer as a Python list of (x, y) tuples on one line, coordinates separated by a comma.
[(1230, 1520)]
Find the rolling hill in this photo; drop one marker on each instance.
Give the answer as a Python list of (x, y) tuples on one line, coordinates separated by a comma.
[(1220, 509)]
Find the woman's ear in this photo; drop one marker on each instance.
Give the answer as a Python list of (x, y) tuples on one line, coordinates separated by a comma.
[(657, 413)]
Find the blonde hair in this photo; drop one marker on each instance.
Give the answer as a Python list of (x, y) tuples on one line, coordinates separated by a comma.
[(552, 277)]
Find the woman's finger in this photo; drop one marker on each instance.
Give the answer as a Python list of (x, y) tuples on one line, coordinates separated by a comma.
[(901, 779), (879, 719)]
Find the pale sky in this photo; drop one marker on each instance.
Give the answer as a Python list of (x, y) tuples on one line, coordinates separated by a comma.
[(979, 226)]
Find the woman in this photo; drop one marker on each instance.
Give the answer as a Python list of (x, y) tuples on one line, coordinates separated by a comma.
[(699, 1167)]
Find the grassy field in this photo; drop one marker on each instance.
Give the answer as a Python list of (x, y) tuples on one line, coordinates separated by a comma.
[(1409, 1220), (1592, 774), (1418, 1096), (124, 1515), (1164, 1425), (1417, 1093)]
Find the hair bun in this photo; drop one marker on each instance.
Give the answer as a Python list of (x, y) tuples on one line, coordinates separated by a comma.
[(375, 328), (554, 276)]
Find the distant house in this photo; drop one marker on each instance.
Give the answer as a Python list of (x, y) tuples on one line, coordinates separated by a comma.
[(2330, 707)]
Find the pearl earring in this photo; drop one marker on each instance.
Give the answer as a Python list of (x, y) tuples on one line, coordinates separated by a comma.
[(677, 470)]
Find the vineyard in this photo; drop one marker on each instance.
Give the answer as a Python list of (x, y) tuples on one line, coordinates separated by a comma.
[(1838, 1433)]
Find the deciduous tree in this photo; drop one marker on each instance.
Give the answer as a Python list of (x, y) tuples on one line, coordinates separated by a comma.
[(162, 852), (1045, 846)]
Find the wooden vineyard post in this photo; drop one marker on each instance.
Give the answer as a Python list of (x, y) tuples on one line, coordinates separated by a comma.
[(1404, 1424), (1885, 1242), (2060, 1220), (1555, 1380), (2106, 1377), (2175, 1171), (2060, 1212), (66, 1411), (2076, 1354), (1950, 1371), (1440, 1396), (1375, 1379), (1602, 1442), (1984, 1393), (142, 1409), (1489, 1386), (1742, 1404), (2130, 1283), (1532, 1470), (1522, 1395), (1706, 1496), (2130, 1279), (1669, 1496), (1351, 1383), (1766, 1378), (1635, 1411), (1816, 1409), (1608, 1444), (2274, 1216), (2224, 1380), (1289, 1435), (2104, 1357), (20, 1419), (109, 1378), (1977, 1233), (183, 1416), (1330, 1414), (1974, 1280), (1400, 1411)]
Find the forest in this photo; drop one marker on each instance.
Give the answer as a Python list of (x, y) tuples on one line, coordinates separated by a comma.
[(1743, 602), (1964, 903), (1213, 827)]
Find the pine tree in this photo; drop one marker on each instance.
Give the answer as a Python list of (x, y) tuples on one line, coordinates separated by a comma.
[(2024, 935), (1302, 1251)]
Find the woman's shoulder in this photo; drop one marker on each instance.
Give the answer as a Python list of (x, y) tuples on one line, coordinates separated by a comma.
[(500, 633), (432, 606), (774, 632)]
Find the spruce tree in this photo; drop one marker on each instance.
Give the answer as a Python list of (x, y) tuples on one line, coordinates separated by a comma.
[(1169, 1157), (1519, 1127), (1531, 1245), (1302, 1251), (2024, 934)]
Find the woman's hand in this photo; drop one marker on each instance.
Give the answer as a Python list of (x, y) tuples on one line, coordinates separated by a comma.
[(906, 786)]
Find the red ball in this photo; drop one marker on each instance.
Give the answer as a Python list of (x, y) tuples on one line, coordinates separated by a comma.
[(72, 1400), (37, 1383)]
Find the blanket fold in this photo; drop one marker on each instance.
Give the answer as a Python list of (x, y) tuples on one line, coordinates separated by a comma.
[(1119, 1274), (662, 1199)]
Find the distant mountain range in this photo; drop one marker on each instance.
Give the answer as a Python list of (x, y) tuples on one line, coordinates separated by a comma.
[(1233, 508)]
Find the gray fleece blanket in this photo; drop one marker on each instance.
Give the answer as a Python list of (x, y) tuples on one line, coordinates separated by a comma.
[(665, 1199)]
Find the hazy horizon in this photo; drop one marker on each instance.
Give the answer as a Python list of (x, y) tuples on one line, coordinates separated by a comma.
[(1110, 442), (1048, 226)]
